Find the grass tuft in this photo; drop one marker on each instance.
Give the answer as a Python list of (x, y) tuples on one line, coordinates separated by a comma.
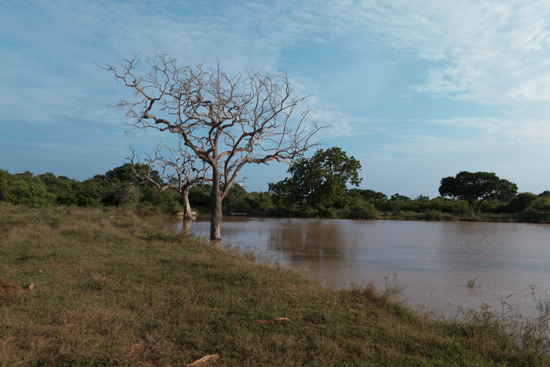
[(472, 282)]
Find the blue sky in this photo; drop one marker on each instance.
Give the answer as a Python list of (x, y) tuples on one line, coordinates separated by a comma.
[(416, 90)]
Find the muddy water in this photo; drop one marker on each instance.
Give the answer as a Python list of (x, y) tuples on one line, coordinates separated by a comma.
[(433, 260)]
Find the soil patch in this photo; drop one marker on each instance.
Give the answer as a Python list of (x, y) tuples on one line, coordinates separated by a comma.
[(8, 290)]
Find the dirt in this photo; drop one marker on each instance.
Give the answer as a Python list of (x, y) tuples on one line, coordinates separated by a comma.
[(8, 290)]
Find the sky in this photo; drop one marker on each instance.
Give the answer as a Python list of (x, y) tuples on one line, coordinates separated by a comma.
[(416, 90)]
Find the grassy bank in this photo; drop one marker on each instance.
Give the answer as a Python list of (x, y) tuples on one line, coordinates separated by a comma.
[(114, 289)]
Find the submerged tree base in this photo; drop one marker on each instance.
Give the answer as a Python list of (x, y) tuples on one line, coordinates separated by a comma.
[(114, 289)]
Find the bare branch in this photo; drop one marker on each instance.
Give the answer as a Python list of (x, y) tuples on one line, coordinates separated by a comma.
[(225, 122)]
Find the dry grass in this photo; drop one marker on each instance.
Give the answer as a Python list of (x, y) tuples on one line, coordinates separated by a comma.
[(113, 289)]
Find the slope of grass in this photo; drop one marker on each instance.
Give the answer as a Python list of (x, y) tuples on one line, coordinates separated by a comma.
[(114, 289)]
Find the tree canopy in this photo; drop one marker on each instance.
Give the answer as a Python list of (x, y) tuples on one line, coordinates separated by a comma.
[(320, 179), (476, 186)]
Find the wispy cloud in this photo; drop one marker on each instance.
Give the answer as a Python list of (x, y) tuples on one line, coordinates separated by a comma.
[(487, 52)]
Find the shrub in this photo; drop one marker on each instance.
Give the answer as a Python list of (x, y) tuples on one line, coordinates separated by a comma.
[(538, 211), (363, 210), (520, 202)]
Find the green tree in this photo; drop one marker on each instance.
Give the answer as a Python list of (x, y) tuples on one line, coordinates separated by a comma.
[(476, 186), (368, 194), (124, 175), (402, 198), (321, 179), (62, 187)]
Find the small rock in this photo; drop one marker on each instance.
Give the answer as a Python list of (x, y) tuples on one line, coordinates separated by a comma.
[(31, 287)]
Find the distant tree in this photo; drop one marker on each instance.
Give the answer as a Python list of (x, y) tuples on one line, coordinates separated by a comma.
[(506, 190), (368, 194), (544, 194), (95, 192), (62, 187), (320, 179), (402, 198), (179, 168), (520, 202), (125, 175), (476, 186), (422, 198)]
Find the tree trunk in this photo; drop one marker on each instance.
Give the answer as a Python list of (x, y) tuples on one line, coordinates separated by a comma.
[(216, 219), (186, 221), (479, 205), (185, 201), (186, 225)]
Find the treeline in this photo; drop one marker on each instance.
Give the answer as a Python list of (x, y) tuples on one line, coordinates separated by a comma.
[(369, 204), (120, 187), (114, 188)]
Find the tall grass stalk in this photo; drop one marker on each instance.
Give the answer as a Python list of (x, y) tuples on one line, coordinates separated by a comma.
[(472, 282)]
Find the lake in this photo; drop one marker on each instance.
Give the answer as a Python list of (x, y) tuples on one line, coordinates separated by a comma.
[(434, 261)]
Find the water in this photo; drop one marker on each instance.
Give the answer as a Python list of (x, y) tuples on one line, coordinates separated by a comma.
[(433, 260)]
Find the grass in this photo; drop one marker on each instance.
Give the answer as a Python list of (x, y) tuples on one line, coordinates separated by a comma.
[(112, 288), (472, 282)]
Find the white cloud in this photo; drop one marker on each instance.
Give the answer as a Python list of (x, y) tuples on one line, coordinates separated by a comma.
[(488, 52)]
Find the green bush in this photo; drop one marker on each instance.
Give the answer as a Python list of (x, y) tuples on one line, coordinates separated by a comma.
[(462, 209), (30, 193), (520, 202), (24, 188), (363, 210), (538, 211), (88, 201)]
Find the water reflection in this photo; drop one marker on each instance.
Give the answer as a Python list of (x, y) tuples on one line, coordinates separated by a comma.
[(305, 242), (434, 260)]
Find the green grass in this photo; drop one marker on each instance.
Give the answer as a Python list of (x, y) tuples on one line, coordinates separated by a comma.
[(116, 289)]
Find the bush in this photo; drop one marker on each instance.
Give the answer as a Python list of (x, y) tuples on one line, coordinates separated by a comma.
[(383, 205), (24, 188), (538, 211), (363, 210), (88, 201), (172, 207), (462, 209), (432, 214), (520, 202)]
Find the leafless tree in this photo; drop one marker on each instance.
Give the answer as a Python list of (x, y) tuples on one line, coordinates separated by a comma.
[(227, 122), (178, 167)]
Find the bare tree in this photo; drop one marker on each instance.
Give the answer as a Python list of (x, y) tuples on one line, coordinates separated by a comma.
[(178, 168), (227, 122)]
